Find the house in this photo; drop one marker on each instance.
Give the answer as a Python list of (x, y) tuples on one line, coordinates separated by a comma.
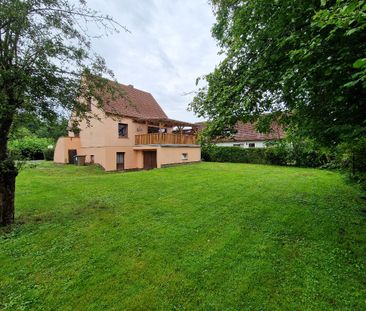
[(130, 133), (247, 136)]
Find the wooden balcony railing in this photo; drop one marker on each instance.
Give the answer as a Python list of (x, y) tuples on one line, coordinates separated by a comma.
[(164, 138)]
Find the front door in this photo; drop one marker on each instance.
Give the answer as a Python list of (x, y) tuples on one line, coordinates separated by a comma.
[(150, 160), (72, 154), (120, 161)]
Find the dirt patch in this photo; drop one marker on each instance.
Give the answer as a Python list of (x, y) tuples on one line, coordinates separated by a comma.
[(97, 204)]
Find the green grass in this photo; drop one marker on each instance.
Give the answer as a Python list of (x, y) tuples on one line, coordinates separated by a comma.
[(208, 236)]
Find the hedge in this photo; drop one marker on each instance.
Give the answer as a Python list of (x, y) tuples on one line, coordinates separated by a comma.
[(233, 154), (275, 155)]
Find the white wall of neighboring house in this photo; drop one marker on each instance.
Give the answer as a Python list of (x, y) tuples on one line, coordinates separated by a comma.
[(243, 144)]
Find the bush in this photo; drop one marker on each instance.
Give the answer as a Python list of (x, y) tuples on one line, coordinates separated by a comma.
[(30, 148), (351, 157), (233, 154), (281, 153), (48, 154), (307, 154), (277, 154)]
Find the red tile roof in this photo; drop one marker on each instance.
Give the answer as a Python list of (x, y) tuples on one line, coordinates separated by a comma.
[(247, 132), (135, 103)]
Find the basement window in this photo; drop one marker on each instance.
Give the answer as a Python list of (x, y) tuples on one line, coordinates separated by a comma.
[(184, 156)]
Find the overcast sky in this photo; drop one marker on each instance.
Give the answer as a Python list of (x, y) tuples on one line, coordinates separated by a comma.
[(170, 45)]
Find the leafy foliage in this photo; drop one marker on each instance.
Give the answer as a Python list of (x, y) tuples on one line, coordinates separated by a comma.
[(348, 18), (46, 66), (27, 124), (46, 58), (233, 155), (300, 63), (352, 158), (34, 138), (48, 154), (29, 147), (282, 153)]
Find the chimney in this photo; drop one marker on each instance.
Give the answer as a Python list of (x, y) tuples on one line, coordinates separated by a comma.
[(130, 85)]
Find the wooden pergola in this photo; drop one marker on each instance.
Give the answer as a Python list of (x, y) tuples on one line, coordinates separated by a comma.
[(165, 122)]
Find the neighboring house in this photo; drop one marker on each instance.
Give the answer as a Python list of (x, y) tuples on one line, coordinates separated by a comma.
[(247, 136), (132, 132)]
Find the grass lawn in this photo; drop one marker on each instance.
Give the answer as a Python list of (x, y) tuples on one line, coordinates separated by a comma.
[(208, 236)]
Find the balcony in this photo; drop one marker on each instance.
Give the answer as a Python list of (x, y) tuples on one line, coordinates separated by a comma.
[(165, 139)]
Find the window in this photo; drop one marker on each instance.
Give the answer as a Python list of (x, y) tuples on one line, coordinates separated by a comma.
[(236, 145), (251, 145), (122, 130), (152, 129), (92, 159), (184, 156)]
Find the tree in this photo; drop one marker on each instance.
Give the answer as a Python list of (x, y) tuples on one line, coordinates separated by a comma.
[(301, 63), (30, 124), (45, 64)]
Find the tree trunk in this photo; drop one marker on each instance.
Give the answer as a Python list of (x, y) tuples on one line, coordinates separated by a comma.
[(8, 173)]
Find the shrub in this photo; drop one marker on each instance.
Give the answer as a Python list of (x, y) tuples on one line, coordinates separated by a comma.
[(280, 153), (307, 154), (206, 153), (48, 154), (29, 148), (233, 154), (351, 157), (277, 154)]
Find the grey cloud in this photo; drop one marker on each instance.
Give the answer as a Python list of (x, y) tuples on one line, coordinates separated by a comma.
[(170, 46)]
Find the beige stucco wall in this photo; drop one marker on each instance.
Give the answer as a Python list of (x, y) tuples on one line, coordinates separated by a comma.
[(63, 145), (111, 158), (102, 131), (134, 156), (173, 155), (99, 154), (100, 138)]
